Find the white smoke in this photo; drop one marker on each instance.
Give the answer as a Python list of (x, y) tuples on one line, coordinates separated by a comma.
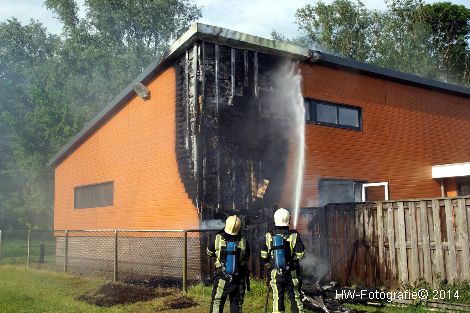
[(312, 265), (211, 224)]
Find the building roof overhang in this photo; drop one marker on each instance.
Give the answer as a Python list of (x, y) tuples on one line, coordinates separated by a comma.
[(451, 170), (240, 40)]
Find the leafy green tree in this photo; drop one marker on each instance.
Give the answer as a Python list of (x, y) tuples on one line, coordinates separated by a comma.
[(450, 36), (403, 40), (23, 50), (428, 40), (341, 27)]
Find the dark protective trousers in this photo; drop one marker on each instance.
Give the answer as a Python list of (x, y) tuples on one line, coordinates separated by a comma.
[(287, 282), (222, 289)]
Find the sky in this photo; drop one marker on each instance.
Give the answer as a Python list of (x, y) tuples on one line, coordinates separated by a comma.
[(256, 17)]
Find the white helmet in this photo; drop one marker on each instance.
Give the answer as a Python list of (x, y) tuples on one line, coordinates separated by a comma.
[(281, 217), (232, 225)]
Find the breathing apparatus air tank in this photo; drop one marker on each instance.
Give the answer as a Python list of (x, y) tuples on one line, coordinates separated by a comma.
[(279, 252), (231, 263)]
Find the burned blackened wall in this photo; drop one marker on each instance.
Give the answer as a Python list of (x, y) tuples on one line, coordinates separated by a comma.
[(228, 145)]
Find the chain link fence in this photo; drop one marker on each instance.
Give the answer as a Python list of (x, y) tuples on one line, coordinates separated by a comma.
[(153, 257), (32, 248)]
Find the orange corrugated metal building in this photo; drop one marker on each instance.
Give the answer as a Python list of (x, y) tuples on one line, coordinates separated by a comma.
[(197, 148)]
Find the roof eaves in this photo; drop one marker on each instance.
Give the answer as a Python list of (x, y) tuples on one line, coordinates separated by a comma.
[(240, 40)]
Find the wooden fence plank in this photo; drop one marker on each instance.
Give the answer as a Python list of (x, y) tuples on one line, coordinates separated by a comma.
[(353, 270), (414, 266), (381, 247), (419, 235), (335, 253), (368, 219), (423, 210), (331, 233), (467, 208), (374, 243), (438, 254), (362, 268), (463, 239), (402, 261), (323, 237), (452, 269), (346, 241), (391, 244)]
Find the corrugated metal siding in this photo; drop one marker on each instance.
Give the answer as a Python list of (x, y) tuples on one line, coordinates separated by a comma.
[(136, 150), (406, 130)]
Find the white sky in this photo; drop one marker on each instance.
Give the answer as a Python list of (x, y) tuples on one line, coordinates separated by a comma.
[(256, 17)]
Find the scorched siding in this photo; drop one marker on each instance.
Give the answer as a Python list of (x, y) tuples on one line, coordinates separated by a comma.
[(135, 149)]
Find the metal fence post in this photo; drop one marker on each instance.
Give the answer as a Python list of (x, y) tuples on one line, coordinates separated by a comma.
[(0, 247), (185, 260), (42, 253), (66, 252), (115, 276), (28, 247)]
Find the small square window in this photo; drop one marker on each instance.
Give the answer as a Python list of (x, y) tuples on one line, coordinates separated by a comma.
[(327, 113), (348, 116)]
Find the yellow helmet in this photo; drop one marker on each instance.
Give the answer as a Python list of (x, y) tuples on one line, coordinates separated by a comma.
[(232, 225), (281, 217)]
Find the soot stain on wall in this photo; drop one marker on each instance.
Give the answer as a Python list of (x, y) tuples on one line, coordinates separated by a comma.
[(227, 142)]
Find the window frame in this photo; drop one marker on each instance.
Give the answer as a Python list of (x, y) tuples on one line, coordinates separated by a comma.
[(353, 182), (311, 113), (89, 187)]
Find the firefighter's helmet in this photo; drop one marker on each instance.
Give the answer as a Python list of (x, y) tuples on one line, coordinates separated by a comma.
[(232, 225), (281, 217)]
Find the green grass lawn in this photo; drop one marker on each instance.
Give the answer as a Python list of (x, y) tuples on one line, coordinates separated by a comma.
[(23, 290)]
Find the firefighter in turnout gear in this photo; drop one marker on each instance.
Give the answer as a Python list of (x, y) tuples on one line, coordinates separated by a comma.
[(231, 251), (283, 250)]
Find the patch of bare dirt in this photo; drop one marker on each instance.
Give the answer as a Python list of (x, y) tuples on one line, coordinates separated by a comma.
[(180, 303), (153, 281), (113, 293)]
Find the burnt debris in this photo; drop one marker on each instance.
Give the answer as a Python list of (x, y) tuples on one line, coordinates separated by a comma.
[(232, 152)]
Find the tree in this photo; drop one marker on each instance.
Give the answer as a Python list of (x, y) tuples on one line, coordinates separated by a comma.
[(51, 85), (450, 35), (23, 50), (341, 27), (427, 40), (403, 40)]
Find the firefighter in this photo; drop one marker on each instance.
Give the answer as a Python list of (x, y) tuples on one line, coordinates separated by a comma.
[(283, 250), (231, 251)]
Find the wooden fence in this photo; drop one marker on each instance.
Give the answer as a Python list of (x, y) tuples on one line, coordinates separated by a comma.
[(393, 242)]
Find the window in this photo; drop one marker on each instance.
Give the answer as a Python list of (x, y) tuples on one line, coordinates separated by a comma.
[(92, 196), (339, 191), (332, 114)]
